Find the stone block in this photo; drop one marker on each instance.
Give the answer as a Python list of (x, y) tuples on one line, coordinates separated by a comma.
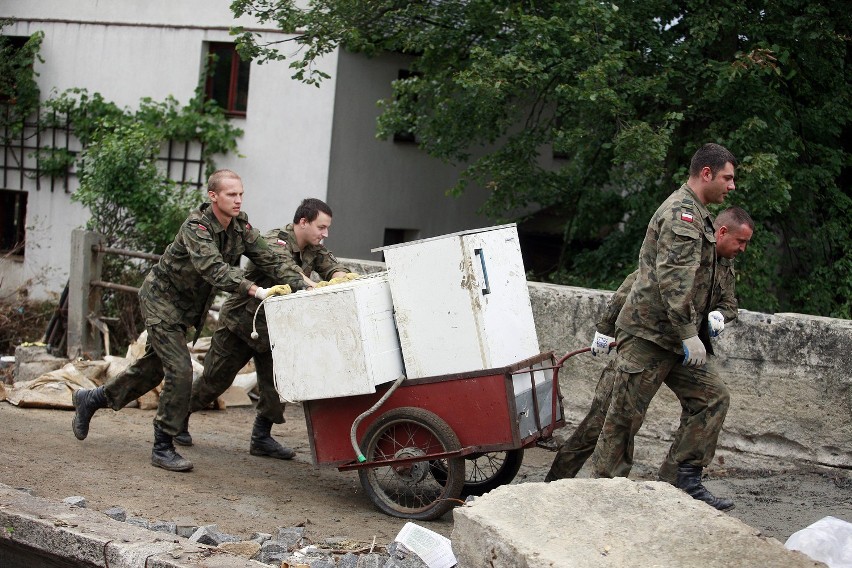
[(400, 557), (75, 501), (210, 534), (33, 361), (290, 537), (163, 526), (589, 523), (372, 560), (260, 538), (137, 522), (271, 552), (117, 513)]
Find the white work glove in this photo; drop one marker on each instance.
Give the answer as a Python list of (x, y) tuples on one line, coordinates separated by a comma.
[(600, 344), (277, 290), (694, 354), (717, 323)]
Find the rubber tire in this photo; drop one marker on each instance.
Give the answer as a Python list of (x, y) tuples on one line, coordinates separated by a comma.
[(433, 497), (502, 475)]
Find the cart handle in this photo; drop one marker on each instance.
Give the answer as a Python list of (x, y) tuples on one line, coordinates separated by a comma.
[(352, 437), (549, 429)]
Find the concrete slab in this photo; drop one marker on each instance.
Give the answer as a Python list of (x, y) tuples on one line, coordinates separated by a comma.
[(585, 523), (80, 537)]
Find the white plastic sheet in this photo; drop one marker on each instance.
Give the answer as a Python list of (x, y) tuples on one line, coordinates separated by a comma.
[(828, 540)]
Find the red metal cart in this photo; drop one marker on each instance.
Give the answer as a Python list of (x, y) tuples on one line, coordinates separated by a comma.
[(436, 439)]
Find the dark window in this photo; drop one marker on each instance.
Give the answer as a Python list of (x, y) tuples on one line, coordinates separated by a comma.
[(397, 236), (13, 215), (228, 82)]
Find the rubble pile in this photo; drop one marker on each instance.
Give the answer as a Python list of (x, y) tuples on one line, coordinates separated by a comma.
[(287, 548)]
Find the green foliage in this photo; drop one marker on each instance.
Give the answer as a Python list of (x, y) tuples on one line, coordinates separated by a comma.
[(54, 162), (624, 94), (18, 87), (131, 201)]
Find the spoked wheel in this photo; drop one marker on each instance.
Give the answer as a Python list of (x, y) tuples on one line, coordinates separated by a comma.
[(483, 472), (410, 491)]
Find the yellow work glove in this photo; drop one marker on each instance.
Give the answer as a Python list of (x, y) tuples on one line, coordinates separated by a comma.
[(352, 276), (338, 280), (322, 284), (277, 290)]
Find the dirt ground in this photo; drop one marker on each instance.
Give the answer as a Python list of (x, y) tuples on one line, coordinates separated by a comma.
[(244, 494)]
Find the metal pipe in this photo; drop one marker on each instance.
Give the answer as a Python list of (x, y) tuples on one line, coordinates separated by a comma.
[(111, 286), (125, 252)]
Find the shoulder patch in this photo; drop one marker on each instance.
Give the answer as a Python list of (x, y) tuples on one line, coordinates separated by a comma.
[(202, 227), (687, 216)]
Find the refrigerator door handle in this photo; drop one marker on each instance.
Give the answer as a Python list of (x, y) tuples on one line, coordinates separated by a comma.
[(481, 254)]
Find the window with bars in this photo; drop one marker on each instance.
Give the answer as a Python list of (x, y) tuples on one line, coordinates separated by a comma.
[(228, 82)]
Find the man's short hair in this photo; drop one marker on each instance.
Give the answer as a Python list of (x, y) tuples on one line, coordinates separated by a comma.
[(310, 209), (713, 156), (216, 178), (734, 217)]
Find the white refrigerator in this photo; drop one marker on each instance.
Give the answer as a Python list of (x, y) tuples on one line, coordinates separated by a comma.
[(461, 301)]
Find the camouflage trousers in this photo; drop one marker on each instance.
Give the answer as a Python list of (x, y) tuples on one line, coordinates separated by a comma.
[(228, 354), (641, 367), (166, 359), (574, 452)]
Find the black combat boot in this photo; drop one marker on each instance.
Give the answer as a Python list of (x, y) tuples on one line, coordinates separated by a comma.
[(184, 438), (86, 402), (263, 444), (164, 455), (689, 480)]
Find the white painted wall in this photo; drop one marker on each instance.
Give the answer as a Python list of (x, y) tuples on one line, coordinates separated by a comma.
[(127, 50)]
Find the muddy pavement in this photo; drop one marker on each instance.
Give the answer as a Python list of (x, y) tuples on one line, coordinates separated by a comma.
[(244, 494)]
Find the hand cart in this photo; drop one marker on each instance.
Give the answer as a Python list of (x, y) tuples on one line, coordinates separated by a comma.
[(436, 439)]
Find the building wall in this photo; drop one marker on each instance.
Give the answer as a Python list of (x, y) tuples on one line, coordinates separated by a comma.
[(378, 184), (128, 50)]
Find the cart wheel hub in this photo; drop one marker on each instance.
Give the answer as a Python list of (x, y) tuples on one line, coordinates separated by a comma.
[(414, 472)]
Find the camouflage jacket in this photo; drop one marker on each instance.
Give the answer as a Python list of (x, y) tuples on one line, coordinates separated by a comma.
[(203, 257), (238, 311), (722, 297), (671, 297)]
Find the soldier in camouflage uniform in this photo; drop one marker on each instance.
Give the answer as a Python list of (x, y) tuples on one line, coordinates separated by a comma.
[(176, 294), (299, 248), (662, 331), (733, 228)]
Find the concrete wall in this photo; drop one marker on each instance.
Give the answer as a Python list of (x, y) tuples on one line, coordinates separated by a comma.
[(791, 391), (378, 184)]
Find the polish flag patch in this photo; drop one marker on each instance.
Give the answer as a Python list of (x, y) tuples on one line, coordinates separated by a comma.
[(280, 242), (686, 216), (202, 227)]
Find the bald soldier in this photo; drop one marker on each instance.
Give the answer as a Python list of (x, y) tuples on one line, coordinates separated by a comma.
[(734, 228)]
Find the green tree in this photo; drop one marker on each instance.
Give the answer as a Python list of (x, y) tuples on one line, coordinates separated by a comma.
[(19, 91), (623, 94)]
